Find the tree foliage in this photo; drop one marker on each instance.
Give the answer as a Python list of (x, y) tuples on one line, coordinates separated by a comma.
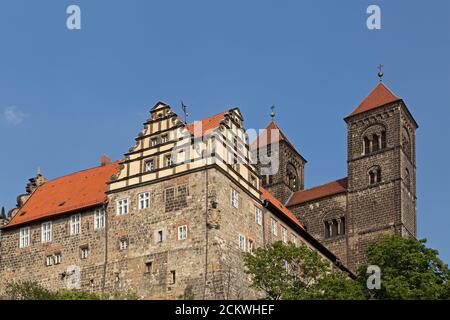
[(29, 290), (291, 272), (409, 269)]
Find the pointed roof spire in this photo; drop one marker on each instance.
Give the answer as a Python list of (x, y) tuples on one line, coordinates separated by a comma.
[(379, 96)]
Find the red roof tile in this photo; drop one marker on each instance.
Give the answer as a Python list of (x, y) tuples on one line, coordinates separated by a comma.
[(209, 123), (275, 202), (265, 138), (379, 96), (75, 191), (324, 190)]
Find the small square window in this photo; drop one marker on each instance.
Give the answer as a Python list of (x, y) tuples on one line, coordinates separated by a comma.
[(160, 236), (149, 267), (149, 165), (123, 244)]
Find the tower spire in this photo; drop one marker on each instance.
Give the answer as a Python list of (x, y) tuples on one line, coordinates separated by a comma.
[(380, 72), (272, 114)]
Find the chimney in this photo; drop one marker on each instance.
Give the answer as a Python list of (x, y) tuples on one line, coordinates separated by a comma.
[(104, 160)]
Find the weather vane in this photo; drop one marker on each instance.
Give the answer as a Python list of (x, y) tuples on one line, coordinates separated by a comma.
[(272, 114), (184, 108), (380, 72)]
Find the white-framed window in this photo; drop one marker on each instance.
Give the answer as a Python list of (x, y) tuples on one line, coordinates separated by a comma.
[(154, 142), (164, 138), (99, 219), (274, 227), (49, 261), (75, 224), (234, 198), (168, 160), (58, 258), (144, 200), (149, 165), (84, 252), (123, 244), (24, 240), (258, 216), (160, 236), (284, 234), (294, 239), (182, 232), (46, 232), (122, 207), (242, 242)]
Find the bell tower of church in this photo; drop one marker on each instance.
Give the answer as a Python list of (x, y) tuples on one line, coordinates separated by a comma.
[(381, 171)]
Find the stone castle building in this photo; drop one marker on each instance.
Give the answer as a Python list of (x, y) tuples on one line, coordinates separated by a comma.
[(173, 217)]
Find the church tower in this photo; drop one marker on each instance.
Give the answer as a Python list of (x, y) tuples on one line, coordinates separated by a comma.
[(381, 171), (289, 174)]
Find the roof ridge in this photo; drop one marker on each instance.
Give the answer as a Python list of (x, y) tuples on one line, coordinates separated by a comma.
[(323, 184), (80, 171)]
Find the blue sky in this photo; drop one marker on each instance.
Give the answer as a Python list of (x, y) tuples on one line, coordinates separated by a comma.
[(66, 97)]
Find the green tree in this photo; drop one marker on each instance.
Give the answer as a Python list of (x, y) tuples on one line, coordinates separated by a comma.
[(26, 290), (409, 270), (291, 272)]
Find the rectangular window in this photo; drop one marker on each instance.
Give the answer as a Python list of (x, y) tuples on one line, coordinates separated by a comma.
[(294, 239), (253, 181), (123, 244), (58, 258), (24, 237), (242, 242), (173, 277), (149, 165), (84, 253), (234, 198), (250, 246), (258, 216), (274, 227), (144, 200), (99, 219), (149, 267), (164, 138), (49, 261), (160, 236), (182, 232), (46, 232), (284, 234), (154, 142), (168, 161), (75, 224), (122, 207)]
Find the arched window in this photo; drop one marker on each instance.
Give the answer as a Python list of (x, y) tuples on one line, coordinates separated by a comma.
[(383, 140), (375, 143), (407, 178), (366, 143), (292, 177), (334, 225), (406, 142)]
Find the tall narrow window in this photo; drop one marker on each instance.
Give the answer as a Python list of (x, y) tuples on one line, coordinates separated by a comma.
[(49, 261), (234, 198), (46, 232), (250, 246), (378, 175), (294, 239), (173, 277), (407, 178), (24, 240), (123, 244), (274, 227), (375, 143), (168, 160), (258, 216), (366, 145), (122, 207), (328, 230), (284, 234), (383, 140), (84, 252), (99, 219), (144, 200), (242, 242), (75, 224)]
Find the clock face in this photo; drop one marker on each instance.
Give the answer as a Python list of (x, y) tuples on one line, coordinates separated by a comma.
[(73, 277)]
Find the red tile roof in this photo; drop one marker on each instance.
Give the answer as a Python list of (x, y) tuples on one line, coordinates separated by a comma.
[(275, 202), (209, 123), (324, 190), (72, 192), (379, 96)]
